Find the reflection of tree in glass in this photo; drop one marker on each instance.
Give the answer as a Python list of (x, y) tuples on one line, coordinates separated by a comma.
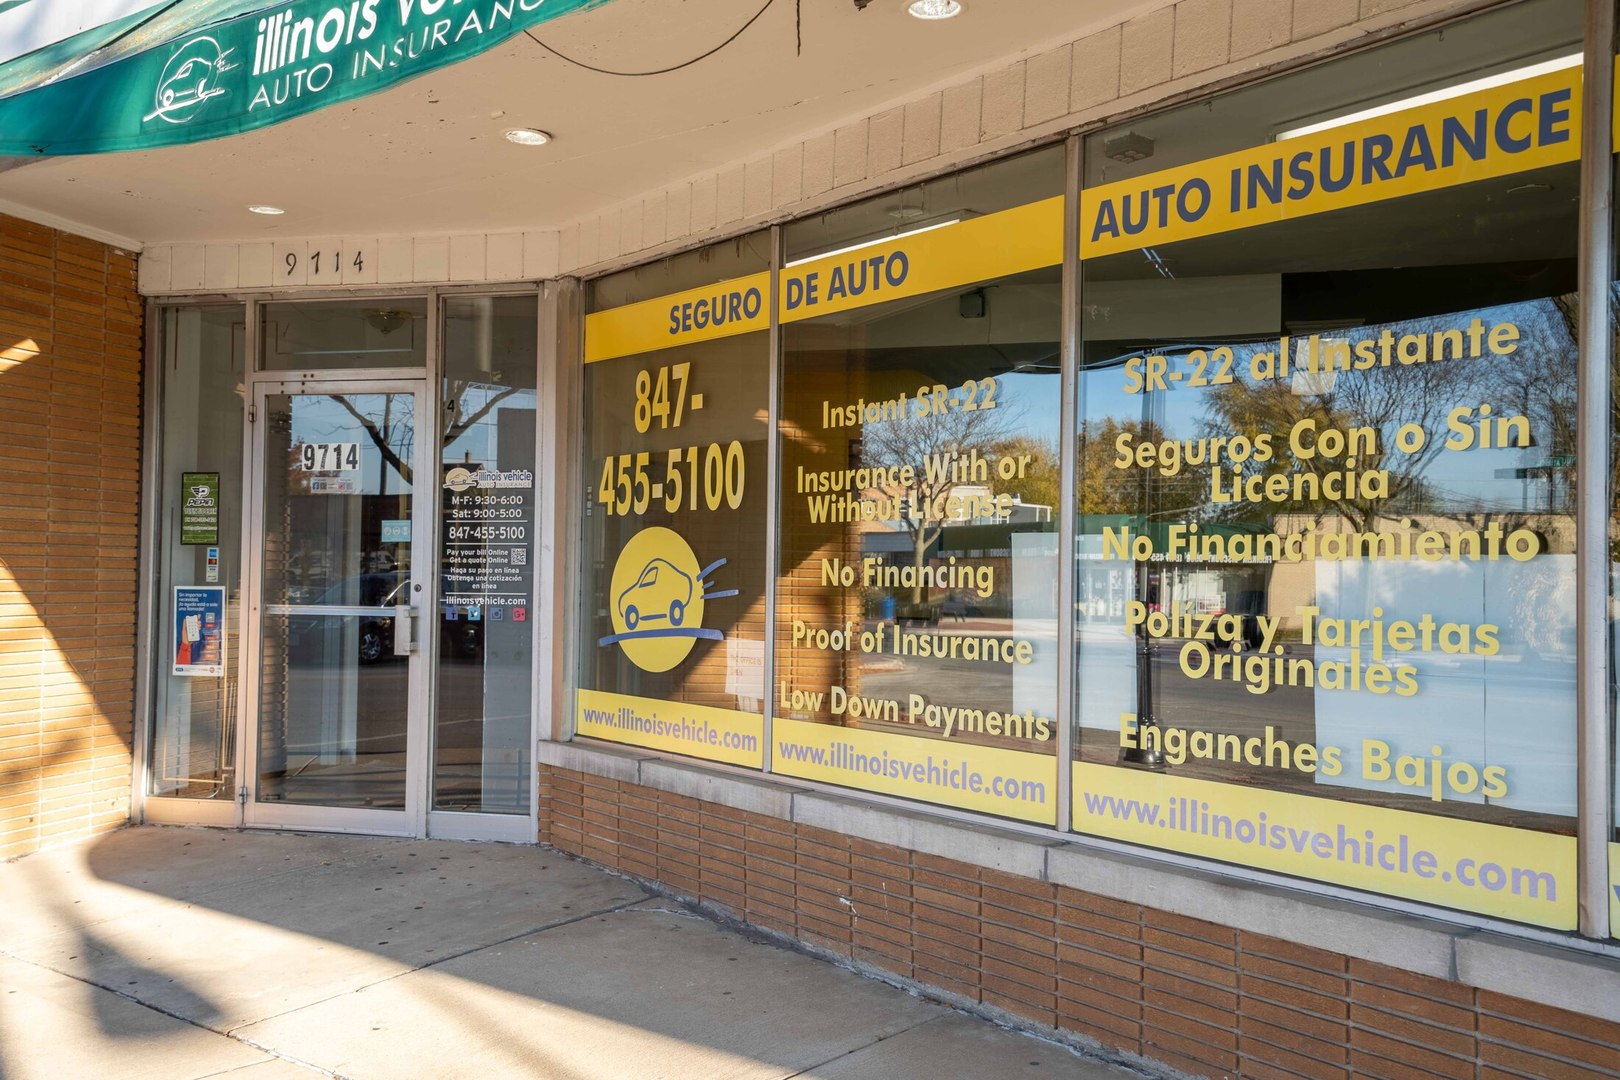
[(1382, 398), (1105, 488), (1539, 382), (941, 437), (1040, 484), (467, 409), (394, 435)]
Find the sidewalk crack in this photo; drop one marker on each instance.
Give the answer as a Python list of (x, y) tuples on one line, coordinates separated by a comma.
[(863, 1046)]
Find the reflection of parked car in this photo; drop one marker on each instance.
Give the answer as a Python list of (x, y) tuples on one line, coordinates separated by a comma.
[(376, 639), (926, 612), (661, 592), (460, 637)]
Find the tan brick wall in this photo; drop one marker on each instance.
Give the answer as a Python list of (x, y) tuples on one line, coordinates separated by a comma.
[(70, 416), (1203, 998)]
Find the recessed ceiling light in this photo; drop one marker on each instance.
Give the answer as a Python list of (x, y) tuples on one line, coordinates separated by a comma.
[(528, 136), (935, 9), (263, 209)]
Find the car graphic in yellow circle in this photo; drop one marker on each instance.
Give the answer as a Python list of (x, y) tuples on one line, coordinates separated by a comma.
[(656, 600)]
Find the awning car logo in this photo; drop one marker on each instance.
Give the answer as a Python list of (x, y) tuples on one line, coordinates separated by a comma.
[(190, 80)]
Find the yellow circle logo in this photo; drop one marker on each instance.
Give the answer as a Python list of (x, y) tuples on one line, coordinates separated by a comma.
[(656, 599)]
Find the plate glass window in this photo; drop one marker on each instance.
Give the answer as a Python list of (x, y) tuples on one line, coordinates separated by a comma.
[(486, 492), (340, 335), (677, 391), (194, 714), (1325, 565), (917, 607)]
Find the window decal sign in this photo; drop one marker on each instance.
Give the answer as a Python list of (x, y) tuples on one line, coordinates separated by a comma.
[(922, 261), (207, 79), (681, 727), (988, 779), (673, 534), (1524, 125), (1511, 873), (658, 593)]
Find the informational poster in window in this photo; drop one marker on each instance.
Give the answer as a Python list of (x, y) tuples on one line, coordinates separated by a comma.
[(488, 535), (199, 631), (199, 508), (1326, 545)]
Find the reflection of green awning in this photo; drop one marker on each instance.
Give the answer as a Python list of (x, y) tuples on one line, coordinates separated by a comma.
[(1092, 525), (191, 70)]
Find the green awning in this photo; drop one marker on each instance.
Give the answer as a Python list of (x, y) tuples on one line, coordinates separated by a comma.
[(189, 70)]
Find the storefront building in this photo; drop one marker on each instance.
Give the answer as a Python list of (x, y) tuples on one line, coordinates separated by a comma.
[(1121, 540)]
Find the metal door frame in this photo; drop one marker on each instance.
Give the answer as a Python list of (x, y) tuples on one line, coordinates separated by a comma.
[(412, 821)]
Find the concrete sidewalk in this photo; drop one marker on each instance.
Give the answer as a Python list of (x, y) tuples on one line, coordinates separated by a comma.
[(185, 953)]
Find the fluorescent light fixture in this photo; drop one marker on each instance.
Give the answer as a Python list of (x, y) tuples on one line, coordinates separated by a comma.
[(933, 10), (264, 208), (874, 242), (528, 136), (1529, 71)]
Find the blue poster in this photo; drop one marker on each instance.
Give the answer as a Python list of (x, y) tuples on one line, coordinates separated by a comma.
[(199, 630)]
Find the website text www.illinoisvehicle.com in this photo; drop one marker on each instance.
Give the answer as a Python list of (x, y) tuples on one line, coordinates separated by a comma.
[(1367, 848)]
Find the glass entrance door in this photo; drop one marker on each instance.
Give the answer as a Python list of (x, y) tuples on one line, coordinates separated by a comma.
[(343, 580)]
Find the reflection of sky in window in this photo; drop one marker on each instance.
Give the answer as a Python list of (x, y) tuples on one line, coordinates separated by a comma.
[(1034, 399), (479, 442), (1545, 356)]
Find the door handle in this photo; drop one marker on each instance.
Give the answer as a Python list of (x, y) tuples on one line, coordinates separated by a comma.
[(404, 629)]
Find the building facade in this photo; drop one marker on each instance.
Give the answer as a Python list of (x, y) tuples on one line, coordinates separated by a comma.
[(1120, 540)]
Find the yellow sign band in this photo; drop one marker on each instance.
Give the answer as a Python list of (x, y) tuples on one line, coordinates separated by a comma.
[(1504, 130), (1529, 124), (991, 780), (1491, 869), (1009, 242), (996, 245), (699, 731), (715, 311)]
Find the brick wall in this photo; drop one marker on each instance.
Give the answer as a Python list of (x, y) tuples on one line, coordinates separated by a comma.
[(70, 415), (1194, 995)]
